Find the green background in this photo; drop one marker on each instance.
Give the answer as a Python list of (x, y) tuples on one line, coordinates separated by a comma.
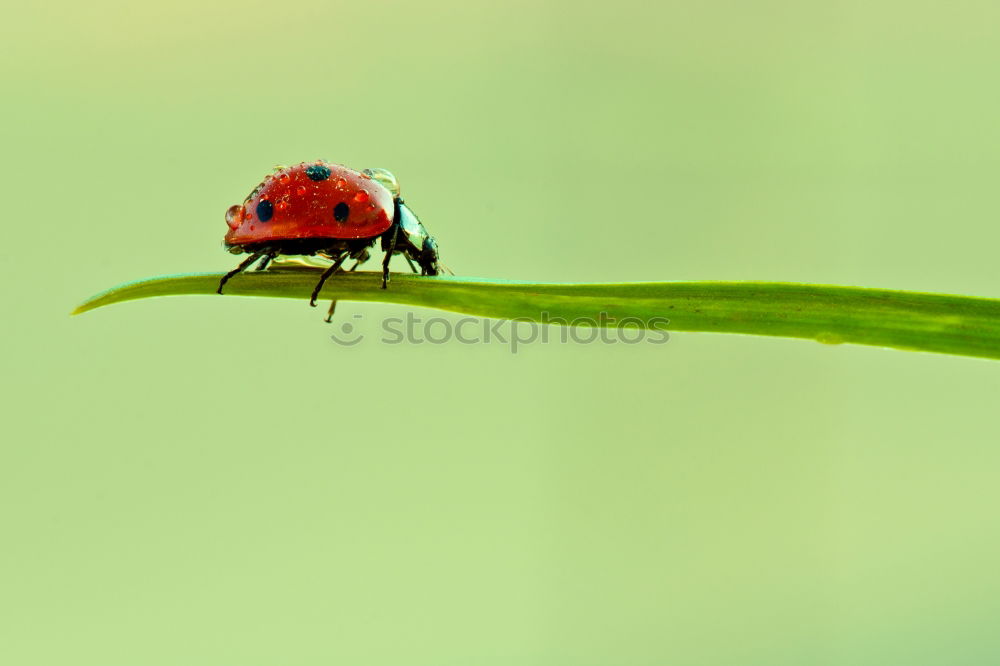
[(206, 480)]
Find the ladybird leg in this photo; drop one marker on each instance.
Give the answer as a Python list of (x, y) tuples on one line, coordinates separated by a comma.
[(410, 262), (267, 260), (327, 273), (239, 269), (329, 313), (361, 258), (388, 256)]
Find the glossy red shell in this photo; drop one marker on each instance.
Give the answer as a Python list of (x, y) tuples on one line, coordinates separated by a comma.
[(300, 202)]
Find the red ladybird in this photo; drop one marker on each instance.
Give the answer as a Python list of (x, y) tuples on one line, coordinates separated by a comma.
[(318, 208)]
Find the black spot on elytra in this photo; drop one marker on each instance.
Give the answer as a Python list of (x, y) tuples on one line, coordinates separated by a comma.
[(265, 210), (318, 172), (340, 212)]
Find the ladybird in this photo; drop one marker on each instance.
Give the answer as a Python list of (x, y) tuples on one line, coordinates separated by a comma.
[(331, 211)]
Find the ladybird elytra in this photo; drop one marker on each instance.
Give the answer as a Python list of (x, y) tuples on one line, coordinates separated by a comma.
[(308, 196)]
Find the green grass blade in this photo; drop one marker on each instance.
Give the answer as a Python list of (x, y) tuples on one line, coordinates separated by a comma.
[(903, 320)]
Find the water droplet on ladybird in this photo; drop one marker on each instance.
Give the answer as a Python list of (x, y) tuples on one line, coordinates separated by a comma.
[(341, 183), (234, 216), (284, 178), (361, 196), (282, 206), (371, 206), (301, 190)]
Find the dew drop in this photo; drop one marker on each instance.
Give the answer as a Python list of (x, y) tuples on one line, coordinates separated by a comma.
[(282, 206), (301, 190), (371, 206), (341, 183), (284, 178), (234, 216), (828, 338), (361, 196)]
